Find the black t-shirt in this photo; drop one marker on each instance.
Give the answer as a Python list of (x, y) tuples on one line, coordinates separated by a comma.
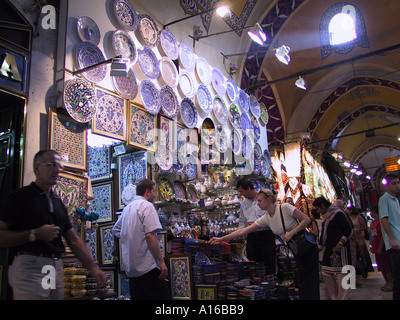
[(29, 208)]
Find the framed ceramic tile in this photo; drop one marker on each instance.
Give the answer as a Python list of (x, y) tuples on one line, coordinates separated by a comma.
[(165, 134), (180, 271), (99, 163), (69, 139), (142, 127), (106, 245), (206, 292), (91, 240), (103, 201), (112, 278), (132, 168), (123, 285), (162, 240), (110, 118)]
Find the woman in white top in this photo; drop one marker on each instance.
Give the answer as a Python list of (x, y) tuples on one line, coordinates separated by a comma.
[(295, 222)]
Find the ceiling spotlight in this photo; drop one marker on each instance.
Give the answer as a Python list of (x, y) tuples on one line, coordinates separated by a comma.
[(222, 10), (119, 67), (368, 177), (257, 34), (282, 53), (301, 83), (347, 164)]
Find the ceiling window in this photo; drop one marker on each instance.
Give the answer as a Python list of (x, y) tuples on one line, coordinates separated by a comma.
[(342, 29)]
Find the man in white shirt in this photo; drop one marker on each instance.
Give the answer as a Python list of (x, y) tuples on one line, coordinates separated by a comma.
[(141, 254)]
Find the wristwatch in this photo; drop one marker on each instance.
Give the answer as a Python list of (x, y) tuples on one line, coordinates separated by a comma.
[(32, 236)]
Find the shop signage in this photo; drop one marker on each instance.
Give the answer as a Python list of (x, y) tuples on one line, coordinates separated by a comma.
[(391, 164)]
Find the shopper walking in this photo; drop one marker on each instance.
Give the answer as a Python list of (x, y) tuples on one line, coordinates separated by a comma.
[(389, 213), (32, 221), (141, 254), (260, 244), (335, 235), (295, 223)]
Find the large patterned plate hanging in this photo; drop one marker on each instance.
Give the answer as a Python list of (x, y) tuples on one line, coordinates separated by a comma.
[(169, 101), (218, 81), (164, 158), (193, 194), (186, 84), (88, 30), (148, 63), (203, 70), (247, 147), (188, 113), (232, 90), (179, 190), (124, 46), (80, 100), (186, 56), (166, 189), (126, 87), (169, 72), (263, 114), (150, 96), (254, 106), (234, 116), (257, 151), (220, 111), (190, 166), (265, 165), (88, 54), (169, 44), (236, 142), (255, 124), (245, 122), (126, 14), (222, 139), (204, 99), (244, 100), (148, 30)]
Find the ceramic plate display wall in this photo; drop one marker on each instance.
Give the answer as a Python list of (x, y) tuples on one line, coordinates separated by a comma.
[(148, 63), (254, 106), (124, 46), (88, 30), (169, 44), (148, 30), (247, 147), (126, 87), (263, 114), (204, 99), (186, 57), (169, 101), (218, 82), (220, 111), (256, 127), (232, 90), (164, 158), (244, 100), (80, 100), (169, 72), (166, 189), (186, 84), (142, 128), (222, 139), (236, 142), (88, 54), (234, 116), (150, 96), (126, 14), (188, 113), (203, 70), (179, 190), (245, 122), (208, 131), (110, 119)]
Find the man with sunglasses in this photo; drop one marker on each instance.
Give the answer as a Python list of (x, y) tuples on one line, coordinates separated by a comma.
[(33, 221)]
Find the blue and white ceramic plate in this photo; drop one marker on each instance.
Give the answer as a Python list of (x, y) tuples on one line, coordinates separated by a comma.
[(255, 124), (204, 99), (187, 57), (257, 151), (148, 30), (232, 90), (148, 63), (88, 30), (150, 96), (244, 100), (236, 142), (254, 106), (186, 84), (88, 54), (163, 157), (190, 166), (222, 139), (126, 87), (124, 46), (265, 164), (126, 15), (247, 147), (169, 44), (188, 113), (220, 110), (245, 122), (169, 72), (234, 116), (203, 70), (169, 101), (218, 81)]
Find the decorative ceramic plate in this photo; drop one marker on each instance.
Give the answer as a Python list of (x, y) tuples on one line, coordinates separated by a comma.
[(257, 151), (88, 30), (265, 165), (218, 81), (110, 113), (150, 96), (88, 54), (236, 142), (232, 90), (193, 194), (257, 166), (186, 84), (263, 114), (126, 87), (169, 101), (179, 190), (220, 111), (128, 194), (204, 99), (234, 116), (126, 14), (245, 122), (203, 70), (80, 100), (188, 113), (148, 63), (186, 56), (191, 166), (142, 123), (255, 124), (208, 131), (169, 72), (247, 146), (244, 100), (169, 44), (148, 30), (166, 189), (124, 46), (164, 158), (254, 106), (222, 139)]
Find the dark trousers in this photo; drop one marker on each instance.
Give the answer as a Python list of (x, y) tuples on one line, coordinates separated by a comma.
[(149, 287), (308, 275), (395, 264), (261, 248)]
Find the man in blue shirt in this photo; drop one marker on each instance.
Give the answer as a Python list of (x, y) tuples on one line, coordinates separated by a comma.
[(389, 212)]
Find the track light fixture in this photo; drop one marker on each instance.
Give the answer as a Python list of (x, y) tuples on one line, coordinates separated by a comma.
[(282, 53), (257, 34), (301, 83)]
